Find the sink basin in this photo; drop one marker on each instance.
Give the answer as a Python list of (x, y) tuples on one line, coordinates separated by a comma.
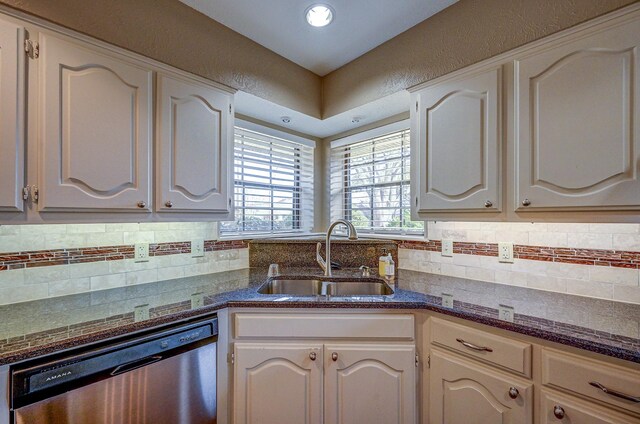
[(320, 286), (359, 288), (306, 287)]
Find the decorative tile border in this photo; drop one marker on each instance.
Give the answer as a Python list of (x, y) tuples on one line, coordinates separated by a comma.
[(40, 258), (596, 257)]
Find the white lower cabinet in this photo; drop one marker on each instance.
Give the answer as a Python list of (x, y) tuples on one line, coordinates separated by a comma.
[(558, 408), (363, 383), (463, 392), (278, 383), (373, 384)]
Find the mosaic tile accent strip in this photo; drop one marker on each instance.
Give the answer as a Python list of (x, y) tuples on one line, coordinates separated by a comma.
[(595, 257), (40, 258)]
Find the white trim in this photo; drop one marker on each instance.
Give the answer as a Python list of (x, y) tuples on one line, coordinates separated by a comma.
[(372, 133), (246, 125)]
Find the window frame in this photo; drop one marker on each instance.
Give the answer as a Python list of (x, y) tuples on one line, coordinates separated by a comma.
[(403, 184), (296, 189)]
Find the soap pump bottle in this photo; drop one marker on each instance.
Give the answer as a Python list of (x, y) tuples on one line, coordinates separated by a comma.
[(390, 270), (382, 263)]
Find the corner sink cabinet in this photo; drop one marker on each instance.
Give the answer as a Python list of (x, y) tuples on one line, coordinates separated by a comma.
[(355, 366), (324, 368), (548, 131), (87, 152)]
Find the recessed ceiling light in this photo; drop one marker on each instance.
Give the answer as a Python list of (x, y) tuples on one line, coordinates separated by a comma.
[(319, 15), (285, 119)]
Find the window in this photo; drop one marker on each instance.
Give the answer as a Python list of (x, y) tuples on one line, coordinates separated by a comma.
[(273, 180), (370, 183)]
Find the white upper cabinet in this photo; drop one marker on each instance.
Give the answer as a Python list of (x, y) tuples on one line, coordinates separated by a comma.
[(456, 142), (578, 123), (12, 90), (195, 138), (95, 129)]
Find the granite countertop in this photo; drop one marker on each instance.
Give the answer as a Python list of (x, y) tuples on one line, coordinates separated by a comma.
[(37, 328)]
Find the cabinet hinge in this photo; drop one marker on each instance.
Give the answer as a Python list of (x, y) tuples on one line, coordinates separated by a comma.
[(417, 359), (428, 361), (416, 106), (35, 193), (25, 193), (32, 48), (231, 358), (229, 108)]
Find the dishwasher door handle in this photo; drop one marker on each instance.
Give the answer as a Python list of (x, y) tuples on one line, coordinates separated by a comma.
[(136, 364)]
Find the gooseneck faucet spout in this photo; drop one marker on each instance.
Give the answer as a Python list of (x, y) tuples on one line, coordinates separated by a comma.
[(326, 264)]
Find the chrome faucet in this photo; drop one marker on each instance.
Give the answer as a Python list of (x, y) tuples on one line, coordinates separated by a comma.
[(326, 265)]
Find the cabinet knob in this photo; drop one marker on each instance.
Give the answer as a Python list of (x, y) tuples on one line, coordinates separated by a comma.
[(334, 356), (142, 204), (558, 412), (513, 392), (526, 202), (488, 204), (168, 203), (313, 356)]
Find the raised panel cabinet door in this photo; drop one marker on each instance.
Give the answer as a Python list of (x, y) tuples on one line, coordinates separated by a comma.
[(463, 392), (277, 383), (195, 139), (458, 145), (578, 123), (12, 90), (95, 129), (373, 384), (556, 408)]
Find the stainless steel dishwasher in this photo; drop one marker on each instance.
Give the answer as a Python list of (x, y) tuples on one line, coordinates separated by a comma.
[(167, 376)]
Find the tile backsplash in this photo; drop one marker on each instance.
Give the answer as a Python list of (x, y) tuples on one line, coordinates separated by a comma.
[(595, 260), (41, 261)]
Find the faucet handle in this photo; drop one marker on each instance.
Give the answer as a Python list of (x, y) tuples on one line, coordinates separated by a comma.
[(365, 271)]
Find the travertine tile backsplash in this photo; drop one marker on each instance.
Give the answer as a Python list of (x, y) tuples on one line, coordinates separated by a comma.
[(40, 261), (595, 260)]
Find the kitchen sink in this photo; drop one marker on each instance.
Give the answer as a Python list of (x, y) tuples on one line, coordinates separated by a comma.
[(322, 286)]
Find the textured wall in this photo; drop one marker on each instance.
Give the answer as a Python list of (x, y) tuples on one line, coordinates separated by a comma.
[(463, 34), (170, 32)]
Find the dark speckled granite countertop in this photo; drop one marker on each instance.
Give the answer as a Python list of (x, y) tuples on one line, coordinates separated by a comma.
[(33, 329)]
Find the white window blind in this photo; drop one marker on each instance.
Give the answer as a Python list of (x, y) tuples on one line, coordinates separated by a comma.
[(370, 184), (273, 179)]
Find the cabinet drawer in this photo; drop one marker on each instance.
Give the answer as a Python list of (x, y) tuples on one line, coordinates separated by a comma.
[(327, 326), (574, 410), (509, 354), (574, 373)]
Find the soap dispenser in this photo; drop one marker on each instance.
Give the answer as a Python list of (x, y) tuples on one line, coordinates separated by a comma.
[(390, 269), (382, 263)]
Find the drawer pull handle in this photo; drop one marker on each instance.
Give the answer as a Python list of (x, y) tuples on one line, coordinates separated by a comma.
[(558, 412), (334, 356), (474, 347), (313, 356), (634, 399), (513, 393)]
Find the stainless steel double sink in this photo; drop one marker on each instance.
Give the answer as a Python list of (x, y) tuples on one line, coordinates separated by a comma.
[(322, 286)]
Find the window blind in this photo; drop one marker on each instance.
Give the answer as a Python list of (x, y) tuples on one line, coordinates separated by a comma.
[(370, 184), (273, 184)]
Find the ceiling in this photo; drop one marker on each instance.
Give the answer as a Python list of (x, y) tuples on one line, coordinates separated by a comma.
[(264, 110), (358, 26)]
